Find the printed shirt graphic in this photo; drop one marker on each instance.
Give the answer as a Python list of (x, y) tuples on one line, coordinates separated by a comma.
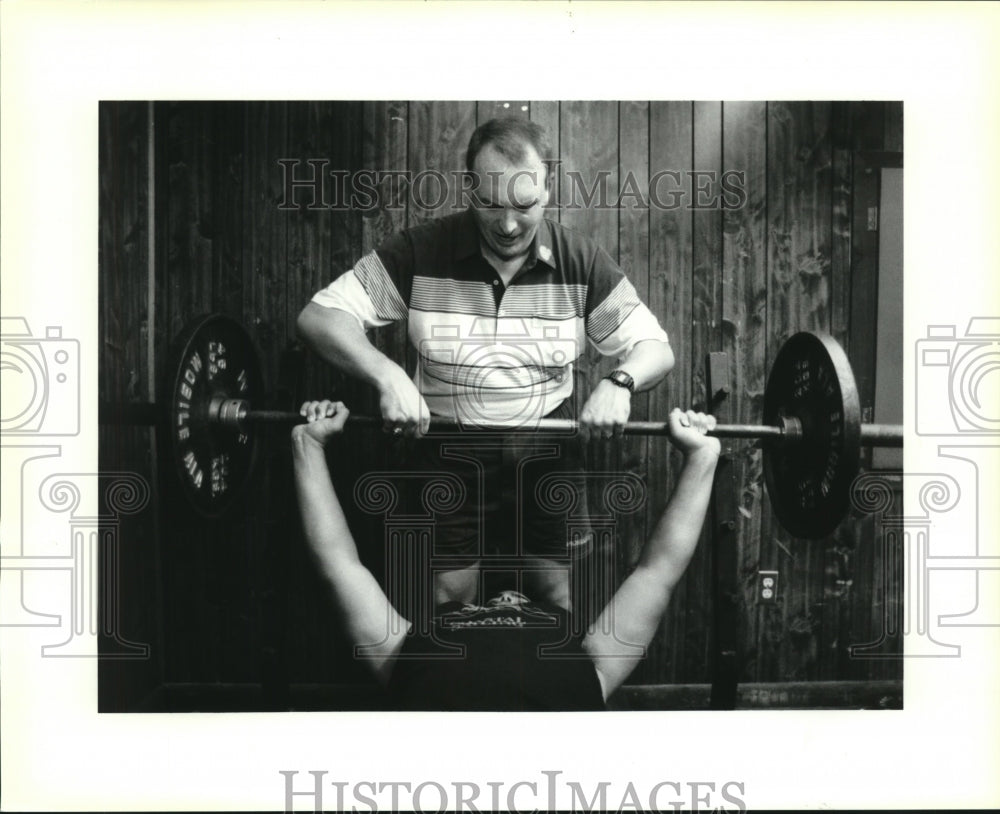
[(514, 613), (487, 352), (502, 656)]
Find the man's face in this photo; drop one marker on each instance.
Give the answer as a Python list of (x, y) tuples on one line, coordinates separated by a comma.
[(509, 201)]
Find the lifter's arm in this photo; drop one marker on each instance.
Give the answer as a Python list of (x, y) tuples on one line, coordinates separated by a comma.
[(368, 616), (619, 637), (337, 337)]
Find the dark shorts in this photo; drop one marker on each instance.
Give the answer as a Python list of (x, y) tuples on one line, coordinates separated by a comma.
[(520, 493)]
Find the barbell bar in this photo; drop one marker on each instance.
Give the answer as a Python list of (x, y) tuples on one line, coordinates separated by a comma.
[(811, 433), (239, 414)]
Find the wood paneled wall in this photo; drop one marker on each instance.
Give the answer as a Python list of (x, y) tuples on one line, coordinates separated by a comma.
[(239, 603)]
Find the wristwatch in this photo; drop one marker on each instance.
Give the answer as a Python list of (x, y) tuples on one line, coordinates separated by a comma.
[(622, 379)]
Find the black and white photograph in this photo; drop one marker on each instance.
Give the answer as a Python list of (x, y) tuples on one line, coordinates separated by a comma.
[(498, 406), (487, 313)]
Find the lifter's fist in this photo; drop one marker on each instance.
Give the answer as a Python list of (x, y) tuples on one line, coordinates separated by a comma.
[(606, 412), (687, 431), (404, 411), (324, 419)]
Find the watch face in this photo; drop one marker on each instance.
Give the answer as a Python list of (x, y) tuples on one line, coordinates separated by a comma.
[(622, 379)]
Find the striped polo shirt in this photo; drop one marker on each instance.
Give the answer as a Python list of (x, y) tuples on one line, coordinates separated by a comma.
[(489, 352)]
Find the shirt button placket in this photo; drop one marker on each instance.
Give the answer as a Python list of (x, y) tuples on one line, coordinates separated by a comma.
[(500, 313)]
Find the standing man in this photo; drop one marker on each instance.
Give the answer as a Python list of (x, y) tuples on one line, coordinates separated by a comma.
[(499, 303)]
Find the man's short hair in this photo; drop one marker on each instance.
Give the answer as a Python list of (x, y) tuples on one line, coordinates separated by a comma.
[(508, 136)]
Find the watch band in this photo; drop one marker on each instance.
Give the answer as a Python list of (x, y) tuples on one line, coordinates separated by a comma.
[(622, 379)]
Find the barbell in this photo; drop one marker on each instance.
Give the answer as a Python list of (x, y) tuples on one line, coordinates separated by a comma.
[(812, 432)]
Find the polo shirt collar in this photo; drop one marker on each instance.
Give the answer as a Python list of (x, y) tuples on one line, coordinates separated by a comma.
[(543, 244), (467, 241)]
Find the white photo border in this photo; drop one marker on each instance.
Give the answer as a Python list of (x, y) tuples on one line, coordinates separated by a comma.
[(59, 59)]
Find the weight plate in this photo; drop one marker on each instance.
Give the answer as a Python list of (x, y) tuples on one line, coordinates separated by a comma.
[(214, 358), (809, 482)]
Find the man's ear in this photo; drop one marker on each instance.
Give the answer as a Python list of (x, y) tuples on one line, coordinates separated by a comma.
[(549, 184), (550, 179)]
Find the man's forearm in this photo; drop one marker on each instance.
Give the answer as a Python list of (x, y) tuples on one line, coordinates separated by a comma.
[(647, 363), (337, 337)]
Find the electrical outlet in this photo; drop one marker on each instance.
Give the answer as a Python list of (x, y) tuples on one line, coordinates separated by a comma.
[(767, 587)]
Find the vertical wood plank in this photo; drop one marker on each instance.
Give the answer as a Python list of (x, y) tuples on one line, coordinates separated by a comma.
[(123, 251), (706, 321), (265, 309), (799, 270), (385, 128), (867, 128), (588, 147), (892, 566), (240, 539), (744, 337), (268, 275), (841, 121), (776, 550), (161, 335), (124, 225), (707, 242), (801, 157), (633, 257), (589, 150), (839, 585), (348, 151), (894, 126), (188, 140), (324, 238), (852, 586), (860, 624), (310, 223), (864, 284), (232, 600), (438, 135), (840, 588), (227, 170), (160, 321), (840, 248), (324, 229), (546, 113), (185, 133), (670, 298)]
